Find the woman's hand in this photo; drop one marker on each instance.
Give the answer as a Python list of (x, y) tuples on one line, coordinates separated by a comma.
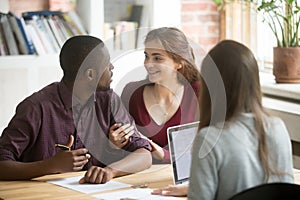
[(173, 190), (157, 151)]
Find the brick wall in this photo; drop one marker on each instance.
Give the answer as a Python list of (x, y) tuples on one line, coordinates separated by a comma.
[(200, 22)]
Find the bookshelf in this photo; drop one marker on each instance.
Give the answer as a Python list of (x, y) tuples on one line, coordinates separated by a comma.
[(22, 75)]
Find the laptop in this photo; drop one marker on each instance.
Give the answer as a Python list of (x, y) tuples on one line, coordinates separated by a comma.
[(180, 141)]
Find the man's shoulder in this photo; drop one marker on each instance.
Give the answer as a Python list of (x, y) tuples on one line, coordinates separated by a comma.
[(106, 96), (104, 93), (47, 93)]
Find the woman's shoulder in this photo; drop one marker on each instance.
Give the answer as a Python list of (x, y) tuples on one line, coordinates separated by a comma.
[(134, 85), (211, 132), (275, 124), (195, 85), (133, 90), (274, 120)]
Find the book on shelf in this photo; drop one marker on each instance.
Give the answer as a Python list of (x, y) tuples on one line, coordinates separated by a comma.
[(56, 30), (120, 35), (30, 14), (69, 25), (3, 44), (75, 21), (67, 33), (9, 35), (136, 16), (37, 32), (47, 30), (108, 35), (44, 37), (37, 39), (124, 35), (18, 26)]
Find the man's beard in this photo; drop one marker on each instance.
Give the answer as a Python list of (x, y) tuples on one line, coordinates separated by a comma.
[(103, 88)]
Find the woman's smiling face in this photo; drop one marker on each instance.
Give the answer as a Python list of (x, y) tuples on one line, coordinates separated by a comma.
[(158, 63)]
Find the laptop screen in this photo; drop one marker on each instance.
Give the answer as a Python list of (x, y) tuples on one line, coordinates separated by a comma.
[(180, 139)]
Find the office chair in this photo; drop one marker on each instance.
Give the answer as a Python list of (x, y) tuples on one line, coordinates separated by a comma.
[(270, 191)]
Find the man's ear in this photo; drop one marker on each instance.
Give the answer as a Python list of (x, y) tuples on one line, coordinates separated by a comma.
[(90, 74)]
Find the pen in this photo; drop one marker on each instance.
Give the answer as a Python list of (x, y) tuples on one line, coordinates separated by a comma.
[(63, 147), (143, 185), (66, 148)]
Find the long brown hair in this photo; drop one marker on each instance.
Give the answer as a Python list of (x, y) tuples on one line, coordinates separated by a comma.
[(177, 46), (239, 73)]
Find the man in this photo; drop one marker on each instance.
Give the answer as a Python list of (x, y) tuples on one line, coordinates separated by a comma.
[(76, 114)]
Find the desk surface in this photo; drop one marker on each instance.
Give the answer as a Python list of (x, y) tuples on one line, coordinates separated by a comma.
[(156, 176)]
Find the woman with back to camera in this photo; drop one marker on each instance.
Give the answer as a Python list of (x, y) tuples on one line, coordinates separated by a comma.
[(243, 146), (238, 145), (168, 96)]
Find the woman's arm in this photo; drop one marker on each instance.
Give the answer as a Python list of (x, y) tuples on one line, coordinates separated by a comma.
[(173, 190)]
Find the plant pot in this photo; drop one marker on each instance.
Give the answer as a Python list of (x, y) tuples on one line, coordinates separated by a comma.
[(286, 64)]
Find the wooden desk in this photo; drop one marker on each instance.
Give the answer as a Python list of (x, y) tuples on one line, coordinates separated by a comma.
[(156, 176)]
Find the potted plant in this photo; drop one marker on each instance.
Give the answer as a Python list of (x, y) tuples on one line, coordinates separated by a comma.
[(283, 17)]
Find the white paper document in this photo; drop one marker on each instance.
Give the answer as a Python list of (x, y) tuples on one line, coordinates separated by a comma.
[(73, 183), (136, 194)]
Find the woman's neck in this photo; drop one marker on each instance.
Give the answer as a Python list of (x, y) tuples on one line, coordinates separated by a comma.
[(167, 91)]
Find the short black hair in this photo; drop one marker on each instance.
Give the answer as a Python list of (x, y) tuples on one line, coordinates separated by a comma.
[(74, 51)]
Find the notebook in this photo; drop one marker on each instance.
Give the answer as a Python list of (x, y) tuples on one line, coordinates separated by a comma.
[(180, 140)]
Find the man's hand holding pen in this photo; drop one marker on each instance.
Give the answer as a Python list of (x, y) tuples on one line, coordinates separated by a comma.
[(67, 160), (119, 134)]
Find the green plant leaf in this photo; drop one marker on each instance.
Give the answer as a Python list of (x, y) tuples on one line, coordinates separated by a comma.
[(282, 16)]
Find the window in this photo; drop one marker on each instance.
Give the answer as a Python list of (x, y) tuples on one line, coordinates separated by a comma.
[(241, 22), (265, 41)]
